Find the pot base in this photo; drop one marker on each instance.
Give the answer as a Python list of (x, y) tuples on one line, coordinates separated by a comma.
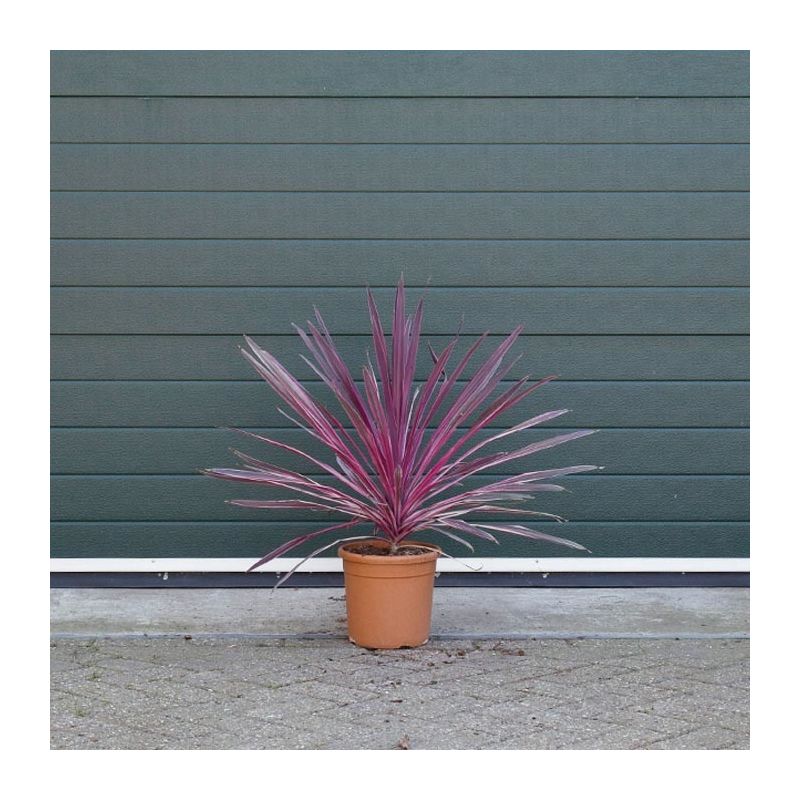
[(399, 647)]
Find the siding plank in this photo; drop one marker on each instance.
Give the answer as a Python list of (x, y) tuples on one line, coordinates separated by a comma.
[(601, 498), (152, 357), (253, 539), (346, 215), (400, 73), (337, 121), (530, 168), (87, 262), (690, 404), (180, 451), (552, 311)]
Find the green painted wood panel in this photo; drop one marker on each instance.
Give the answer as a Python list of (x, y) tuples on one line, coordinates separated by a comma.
[(595, 357), (437, 168), (599, 198), (185, 262), (689, 404), (390, 121), (562, 311), (401, 73), (597, 497), (624, 451), (427, 215), (225, 539)]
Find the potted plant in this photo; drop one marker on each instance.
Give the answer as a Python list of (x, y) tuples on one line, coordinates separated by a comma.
[(398, 464)]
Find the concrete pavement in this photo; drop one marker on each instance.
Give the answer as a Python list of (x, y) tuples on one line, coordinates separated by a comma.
[(463, 695), (459, 613), (506, 669)]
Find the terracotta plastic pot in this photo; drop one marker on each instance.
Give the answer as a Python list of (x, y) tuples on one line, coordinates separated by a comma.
[(389, 598)]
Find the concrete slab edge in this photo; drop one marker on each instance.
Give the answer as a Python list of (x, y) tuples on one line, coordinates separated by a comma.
[(528, 636)]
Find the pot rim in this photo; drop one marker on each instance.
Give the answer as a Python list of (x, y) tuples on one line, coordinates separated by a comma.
[(432, 555)]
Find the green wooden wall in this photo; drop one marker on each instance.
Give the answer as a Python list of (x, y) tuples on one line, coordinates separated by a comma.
[(600, 198)]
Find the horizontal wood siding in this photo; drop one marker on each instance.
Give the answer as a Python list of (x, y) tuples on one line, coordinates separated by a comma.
[(171, 357), (396, 168), (177, 451), (606, 498), (236, 262), (249, 403), (615, 120), (599, 198), (690, 73), (227, 539), (393, 215), (130, 310)]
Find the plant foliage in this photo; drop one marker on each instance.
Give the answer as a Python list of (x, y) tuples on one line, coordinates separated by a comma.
[(399, 458)]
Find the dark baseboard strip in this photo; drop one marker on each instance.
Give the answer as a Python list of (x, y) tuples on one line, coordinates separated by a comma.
[(263, 580)]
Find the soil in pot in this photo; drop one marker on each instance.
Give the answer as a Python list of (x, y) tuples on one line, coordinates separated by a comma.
[(374, 550)]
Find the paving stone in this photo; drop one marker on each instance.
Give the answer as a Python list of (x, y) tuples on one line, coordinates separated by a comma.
[(588, 675), (250, 738), (386, 731), (625, 690), (268, 705), (339, 695), (530, 737), (452, 672), (176, 693), (491, 692), (561, 692), (711, 711), (535, 706), (326, 694), (102, 735), (441, 736), (706, 738), (374, 679), (600, 709), (316, 731), (561, 734), (620, 738), (64, 664), (733, 675)]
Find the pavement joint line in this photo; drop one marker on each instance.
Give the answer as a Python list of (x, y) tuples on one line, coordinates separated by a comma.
[(532, 636)]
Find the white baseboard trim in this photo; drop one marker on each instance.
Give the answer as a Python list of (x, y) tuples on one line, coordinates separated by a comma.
[(543, 565)]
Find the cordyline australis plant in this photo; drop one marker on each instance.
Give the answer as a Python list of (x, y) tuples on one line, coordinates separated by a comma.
[(406, 446)]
